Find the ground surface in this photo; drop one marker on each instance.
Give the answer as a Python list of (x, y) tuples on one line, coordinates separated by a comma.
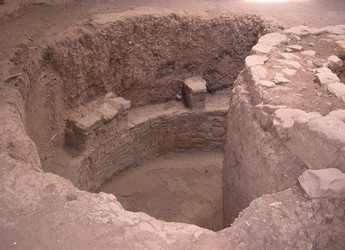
[(181, 187), (33, 19)]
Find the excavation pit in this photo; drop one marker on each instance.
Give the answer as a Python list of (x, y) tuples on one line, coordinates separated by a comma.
[(117, 94), (106, 105)]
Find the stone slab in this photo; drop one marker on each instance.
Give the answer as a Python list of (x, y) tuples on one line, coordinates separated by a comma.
[(323, 183)]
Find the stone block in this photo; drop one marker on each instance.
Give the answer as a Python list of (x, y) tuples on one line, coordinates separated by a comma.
[(323, 183), (279, 79), (296, 48), (310, 53), (107, 111), (273, 39), (284, 120), (334, 63), (88, 122), (338, 89), (325, 76), (290, 64), (195, 92), (255, 60), (262, 49), (125, 104)]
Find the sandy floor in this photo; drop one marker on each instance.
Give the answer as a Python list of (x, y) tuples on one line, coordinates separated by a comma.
[(181, 187)]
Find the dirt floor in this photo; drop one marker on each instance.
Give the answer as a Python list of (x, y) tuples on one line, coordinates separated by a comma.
[(181, 187)]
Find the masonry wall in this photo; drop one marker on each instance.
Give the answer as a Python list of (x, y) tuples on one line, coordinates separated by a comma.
[(144, 139)]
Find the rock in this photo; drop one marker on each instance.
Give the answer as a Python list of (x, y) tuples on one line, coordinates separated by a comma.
[(318, 63), (284, 120), (279, 79), (255, 60), (310, 53), (290, 56), (319, 94), (288, 50), (334, 62), (267, 84), (289, 72), (218, 131), (107, 111), (325, 76), (311, 44), (330, 128), (273, 39), (334, 30), (89, 121), (123, 103), (195, 92), (323, 183), (290, 64), (258, 72), (262, 49), (338, 89), (296, 48), (264, 112), (303, 30)]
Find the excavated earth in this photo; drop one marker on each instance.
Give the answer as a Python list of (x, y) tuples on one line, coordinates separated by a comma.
[(101, 108)]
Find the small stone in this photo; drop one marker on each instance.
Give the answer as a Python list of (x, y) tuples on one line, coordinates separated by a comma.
[(311, 44), (273, 39), (178, 97), (324, 76), (304, 88), (262, 49), (267, 84), (289, 56), (218, 131), (323, 183), (255, 60), (338, 89), (317, 63), (288, 50), (296, 48), (334, 62), (289, 72), (281, 80), (258, 72), (310, 53), (319, 94), (290, 64), (303, 30), (284, 120)]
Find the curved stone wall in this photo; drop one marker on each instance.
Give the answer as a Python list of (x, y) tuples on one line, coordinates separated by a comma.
[(143, 59), (37, 206), (297, 120), (147, 133)]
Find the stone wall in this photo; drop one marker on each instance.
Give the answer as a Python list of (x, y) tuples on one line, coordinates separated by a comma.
[(296, 122), (147, 133), (144, 59), (42, 210)]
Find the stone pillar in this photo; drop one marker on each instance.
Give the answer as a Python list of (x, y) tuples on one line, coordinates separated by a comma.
[(194, 92)]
